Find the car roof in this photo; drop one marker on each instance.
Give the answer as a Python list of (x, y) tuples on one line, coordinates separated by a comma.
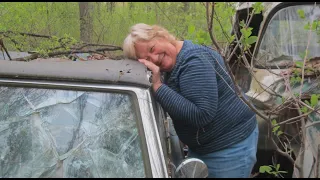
[(108, 71)]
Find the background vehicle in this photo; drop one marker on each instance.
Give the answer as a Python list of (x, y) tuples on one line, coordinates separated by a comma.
[(283, 36), (86, 119)]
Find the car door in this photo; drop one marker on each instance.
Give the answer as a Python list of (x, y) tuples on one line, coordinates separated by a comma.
[(55, 129)]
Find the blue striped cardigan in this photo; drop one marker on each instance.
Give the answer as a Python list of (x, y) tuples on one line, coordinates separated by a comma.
[(200, 98)]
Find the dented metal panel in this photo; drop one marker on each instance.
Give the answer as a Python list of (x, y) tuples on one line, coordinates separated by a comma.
[(104, 71)]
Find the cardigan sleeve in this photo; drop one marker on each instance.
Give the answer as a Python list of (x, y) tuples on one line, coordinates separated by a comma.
[(197, 102)]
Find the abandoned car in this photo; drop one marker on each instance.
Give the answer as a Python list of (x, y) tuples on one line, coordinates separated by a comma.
[(86, 119)]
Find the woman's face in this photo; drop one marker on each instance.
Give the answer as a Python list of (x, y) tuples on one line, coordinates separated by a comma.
[(159, 51)]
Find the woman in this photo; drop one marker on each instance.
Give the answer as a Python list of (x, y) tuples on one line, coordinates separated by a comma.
[(199, 96)]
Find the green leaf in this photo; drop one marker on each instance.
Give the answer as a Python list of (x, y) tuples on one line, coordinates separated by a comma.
[(301, 13), (298, 79), (252, 39), (308, 70), (292, 80), (307, 26), (296, 72), (307, 102), (264, 169), (299, 64), (283, 99), (191, 29), (200, 40), (279, 133), (232, 38), (242, 24), (243, 32), (278, 167), (249, 32), (304, 109), (274, 173), (314, 25), (275, 129), (257, 7), (273, 122), (246, 32), (314, 100)]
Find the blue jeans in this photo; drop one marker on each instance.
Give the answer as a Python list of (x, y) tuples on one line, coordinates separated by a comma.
[(236, 161)]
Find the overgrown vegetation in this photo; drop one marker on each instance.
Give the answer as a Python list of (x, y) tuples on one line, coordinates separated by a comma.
[(55, 28), (109, 22)]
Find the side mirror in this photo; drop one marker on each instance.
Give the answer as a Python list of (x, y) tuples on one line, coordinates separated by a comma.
[(192, 168)]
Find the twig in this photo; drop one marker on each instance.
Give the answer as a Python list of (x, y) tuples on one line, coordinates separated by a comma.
[(14, 41), (313, 123), (104, 45), (303, 129), (27, 34), (219, 22), (284, 153), (292, 119), (210, 24), (305, 57), (164, 13)]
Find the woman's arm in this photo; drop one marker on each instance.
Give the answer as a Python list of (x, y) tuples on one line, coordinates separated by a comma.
[(198, 102)]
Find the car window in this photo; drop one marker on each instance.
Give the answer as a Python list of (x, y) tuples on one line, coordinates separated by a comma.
[(286, 37), (68, 133)]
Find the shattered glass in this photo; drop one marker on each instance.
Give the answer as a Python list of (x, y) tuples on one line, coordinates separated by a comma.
[(286, 39), (64, 133)]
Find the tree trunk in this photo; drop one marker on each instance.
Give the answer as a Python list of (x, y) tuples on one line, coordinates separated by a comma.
[(111, 6), (131, 9), (86, 26), (186, 6), (156, 11)]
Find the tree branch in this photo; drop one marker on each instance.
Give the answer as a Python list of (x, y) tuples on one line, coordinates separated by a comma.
[(52, 54), (14, 41), (304, 59), (26, 34), (2, 47), (210, 24)]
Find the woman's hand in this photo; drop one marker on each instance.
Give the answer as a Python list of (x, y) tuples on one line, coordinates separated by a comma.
[(156, 79)]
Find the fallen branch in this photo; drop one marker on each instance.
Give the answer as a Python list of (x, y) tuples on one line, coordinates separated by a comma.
[(28, 58), (78, 46), (52, 54), (104, 45)]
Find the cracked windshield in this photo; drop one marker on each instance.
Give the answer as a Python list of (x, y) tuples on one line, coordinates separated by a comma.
[(64, 133), (287, 36)]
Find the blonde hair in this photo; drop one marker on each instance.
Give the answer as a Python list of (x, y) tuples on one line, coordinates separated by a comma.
[(144, 32)]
